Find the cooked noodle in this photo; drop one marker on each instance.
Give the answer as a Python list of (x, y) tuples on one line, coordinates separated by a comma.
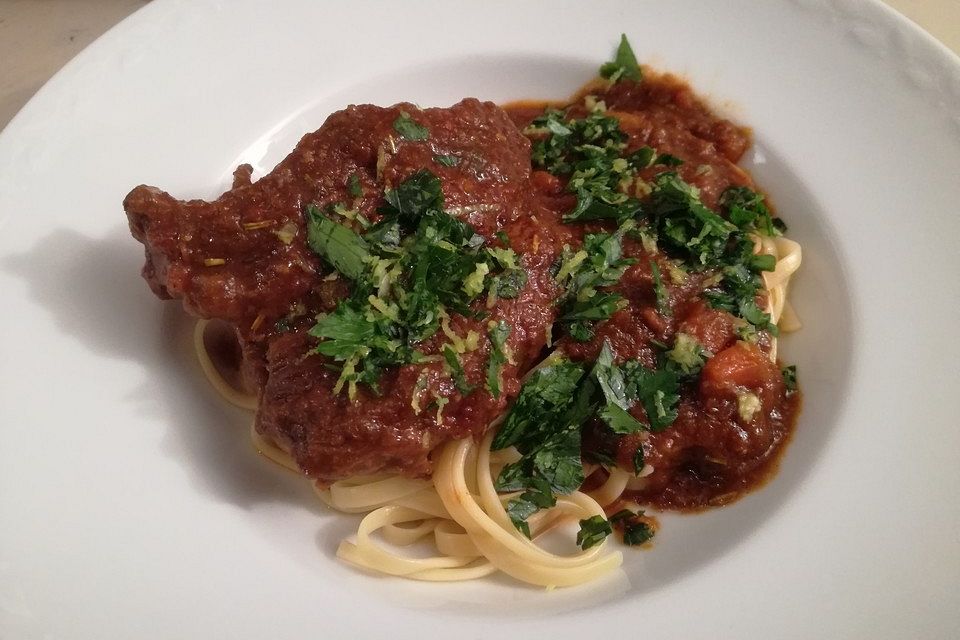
[(788, 255), (459, 509)]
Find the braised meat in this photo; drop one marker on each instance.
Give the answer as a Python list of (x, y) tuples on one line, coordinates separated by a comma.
[(245, 258)]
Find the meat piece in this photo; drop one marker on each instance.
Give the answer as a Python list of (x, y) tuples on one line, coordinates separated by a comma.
[(711, 451), (713, 328), (243, 258)]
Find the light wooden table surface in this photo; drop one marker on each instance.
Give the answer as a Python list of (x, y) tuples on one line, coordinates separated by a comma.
[(37, 37)]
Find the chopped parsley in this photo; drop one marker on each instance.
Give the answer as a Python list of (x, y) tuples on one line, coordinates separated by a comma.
[(790, 378), (339, 245), (537, 496), (409, 129), (660, 291), (616, 394), (555, 402), (668, 160), (688, 230), (624, 64), (588, 152), (498, 332), (544, 425), (600, 263), (542, 403), (446, 161), (581, 315), (409, 271), (658, 390), (591, 154), (638, 460), (354, 186), (593, 531), (747, 210), (737, 293), (456, 370), (685, 227), (635, 530)]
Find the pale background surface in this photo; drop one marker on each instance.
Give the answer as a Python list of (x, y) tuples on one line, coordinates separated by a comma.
[(37, 37)]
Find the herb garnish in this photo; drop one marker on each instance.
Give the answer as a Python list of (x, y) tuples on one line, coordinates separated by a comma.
[(658, 390), (659, 290), (638, 461), (555, 402), (409, 271), (624, 64), (747, 210), (447, 161), (593, 531), (790, 378), (409, 129), (588, 151), (617, 394), (498, 332), (354, 186), (688, 230), (635, 530), (600, 263), (685, 228), (456, 370), (337, 244)]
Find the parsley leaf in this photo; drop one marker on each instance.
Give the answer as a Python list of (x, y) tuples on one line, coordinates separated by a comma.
[(555, 402), (456, 370), (593, 531), (417, 196), (685, 227), (635, 530), (688, 230), (347, 329), (581, 314), (511, 283), (362, 342), (410, 271), (660, 291), (498, 332), (790, 378), (737, 293), (624, 64), (354, 186), (545, 397), (637, 533), (598, 264), (544, 424), (588, 151), (658, 390), (668, 160), (538, 496), (619, 420), (337, 244), (615, 393), (642, 157), (410, 129), (447, 161), (591, 205), (638, 461), (746, 209)]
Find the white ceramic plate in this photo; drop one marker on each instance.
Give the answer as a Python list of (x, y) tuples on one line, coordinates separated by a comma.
[(132, 505)]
